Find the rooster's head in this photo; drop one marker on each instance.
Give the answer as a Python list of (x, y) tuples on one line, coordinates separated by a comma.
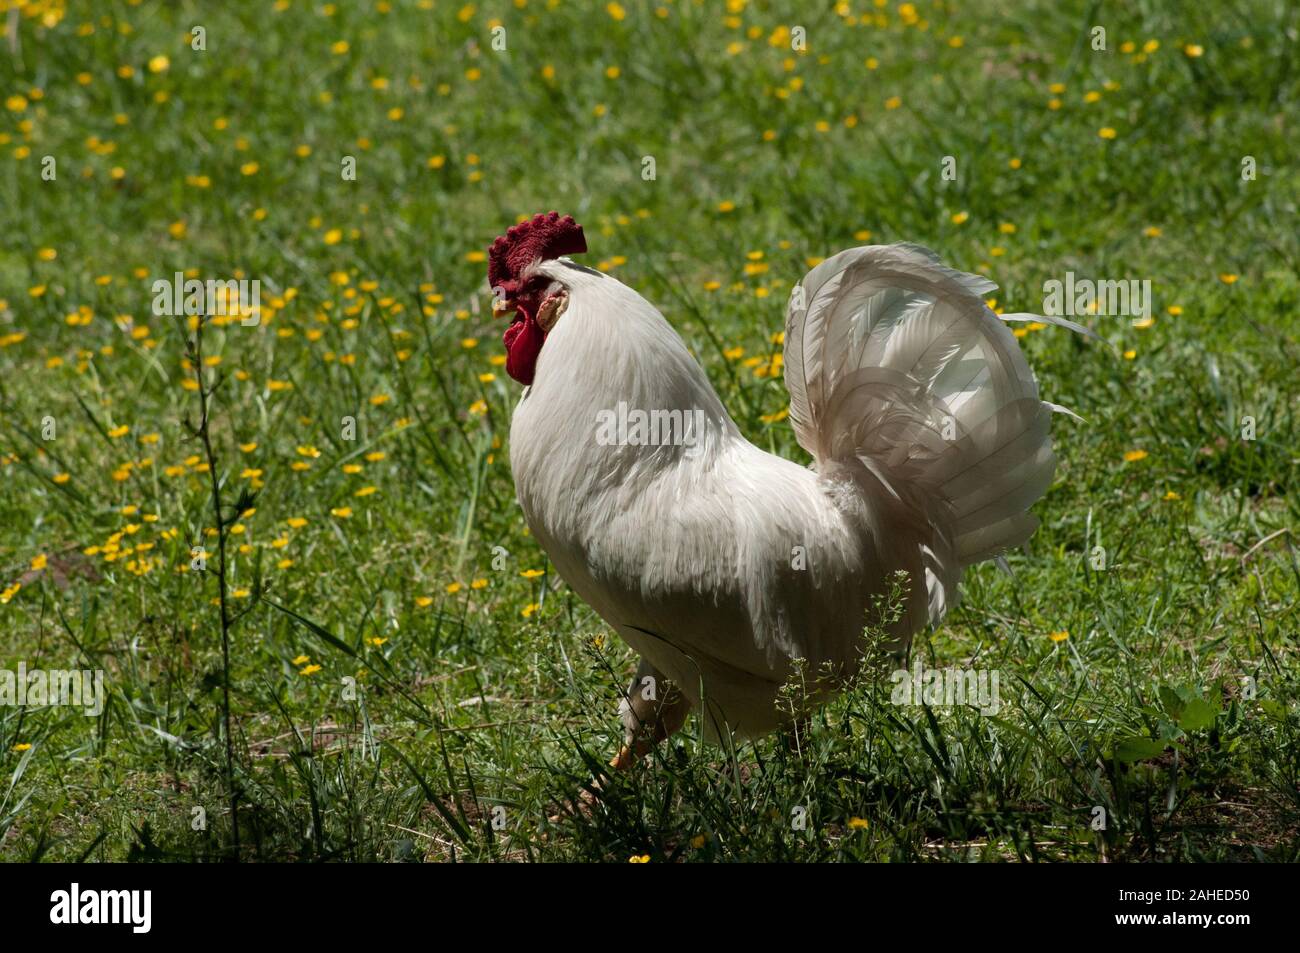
[(535, 300)]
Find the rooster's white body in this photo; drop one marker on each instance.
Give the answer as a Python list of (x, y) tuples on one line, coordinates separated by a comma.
[(720, 563)]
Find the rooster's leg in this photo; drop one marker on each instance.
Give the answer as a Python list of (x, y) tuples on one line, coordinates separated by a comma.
[(652, 709)]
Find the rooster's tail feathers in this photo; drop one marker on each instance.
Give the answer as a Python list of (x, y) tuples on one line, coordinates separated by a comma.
[(899, 372)]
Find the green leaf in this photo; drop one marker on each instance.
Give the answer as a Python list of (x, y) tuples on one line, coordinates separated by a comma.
[(318, 629), (1273, 708), (1197, 715), (1169, 698), (1137, 748)]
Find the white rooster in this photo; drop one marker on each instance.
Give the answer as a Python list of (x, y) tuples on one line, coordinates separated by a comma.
[(718, 562)]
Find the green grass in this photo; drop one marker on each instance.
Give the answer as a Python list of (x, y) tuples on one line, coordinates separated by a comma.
[(502, 693)]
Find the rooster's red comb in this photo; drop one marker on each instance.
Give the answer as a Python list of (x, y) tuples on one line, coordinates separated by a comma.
[(545, 235)]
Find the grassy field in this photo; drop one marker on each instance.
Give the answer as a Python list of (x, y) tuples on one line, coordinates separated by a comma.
[(401, 676)]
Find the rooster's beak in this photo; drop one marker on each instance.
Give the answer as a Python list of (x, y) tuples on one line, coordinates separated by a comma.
[(502, 307)]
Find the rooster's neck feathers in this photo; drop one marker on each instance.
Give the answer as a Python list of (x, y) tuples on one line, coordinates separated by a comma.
[(613, 347)]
